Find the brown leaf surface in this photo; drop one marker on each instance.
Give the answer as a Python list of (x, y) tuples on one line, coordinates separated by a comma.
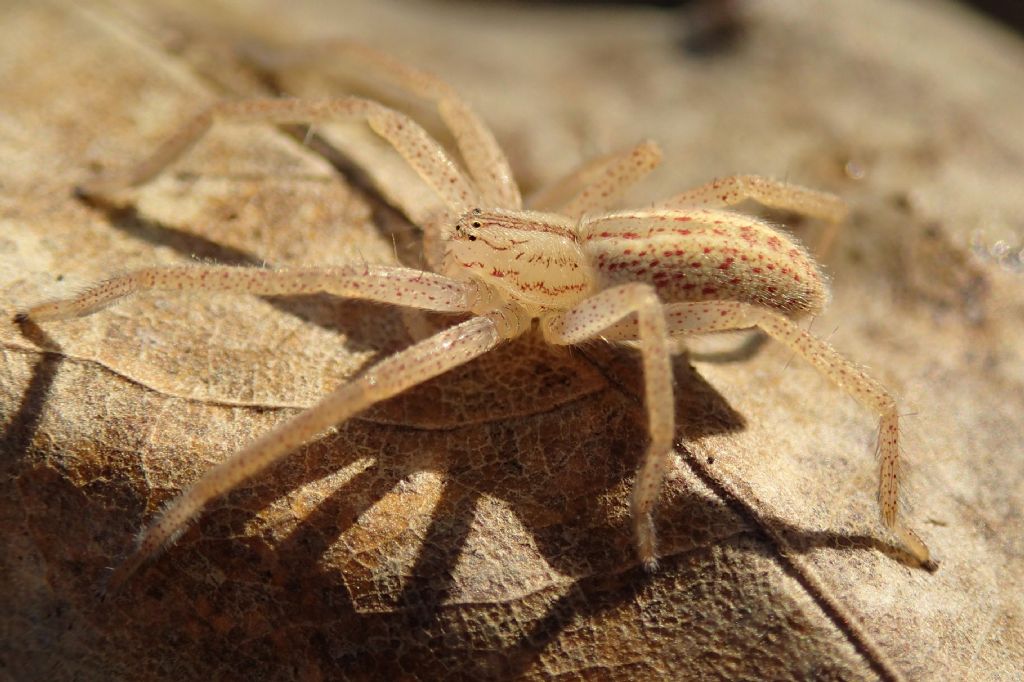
[(477, 526)]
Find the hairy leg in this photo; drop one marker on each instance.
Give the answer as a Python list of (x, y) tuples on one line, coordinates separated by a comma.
[(384, 284), (391, 376), (698, 318), (586, 321), (597, 184), (418, 148), (734, 189), (486, 162)]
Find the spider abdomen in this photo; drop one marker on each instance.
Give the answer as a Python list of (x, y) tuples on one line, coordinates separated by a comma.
[(705, 255)]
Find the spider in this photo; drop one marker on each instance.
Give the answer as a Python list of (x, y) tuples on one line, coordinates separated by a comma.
[(565, 264)]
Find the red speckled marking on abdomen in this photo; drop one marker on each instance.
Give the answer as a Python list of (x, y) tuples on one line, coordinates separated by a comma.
[(702, 254)]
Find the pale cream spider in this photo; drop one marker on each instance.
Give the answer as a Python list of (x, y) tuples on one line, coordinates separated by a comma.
[(681, 266)]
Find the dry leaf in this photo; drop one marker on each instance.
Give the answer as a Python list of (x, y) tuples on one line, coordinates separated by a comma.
[(477, 526)]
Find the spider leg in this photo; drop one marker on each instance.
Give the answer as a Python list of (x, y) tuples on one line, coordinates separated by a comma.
[(415, 365), (712, 316), (585, 321), (486, 162), (734, 189), (419, 149), (384, 284), (596, 185)]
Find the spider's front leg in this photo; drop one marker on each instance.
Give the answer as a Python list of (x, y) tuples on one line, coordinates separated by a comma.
[(380, 283), (415, 365), (586, 321), (416, 146), (486, 162), (424, 360)]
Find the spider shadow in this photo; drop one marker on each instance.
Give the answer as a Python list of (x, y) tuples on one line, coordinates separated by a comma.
[(586, 544), (594, 545), (429, 580), (590, 597), (23, 425)]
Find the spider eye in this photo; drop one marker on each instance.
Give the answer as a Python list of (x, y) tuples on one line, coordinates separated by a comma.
[(477, 211), (472, 238), (476, 223)]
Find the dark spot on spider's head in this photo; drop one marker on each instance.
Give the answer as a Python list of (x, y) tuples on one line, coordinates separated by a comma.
[(468, 223)]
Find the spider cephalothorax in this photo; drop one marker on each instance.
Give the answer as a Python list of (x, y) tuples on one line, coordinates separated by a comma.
[(686, 265), (532, 258)]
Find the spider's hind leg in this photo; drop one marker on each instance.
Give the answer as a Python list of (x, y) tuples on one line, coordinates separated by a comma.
[(597, 184), (734, 189), (711, 316)]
